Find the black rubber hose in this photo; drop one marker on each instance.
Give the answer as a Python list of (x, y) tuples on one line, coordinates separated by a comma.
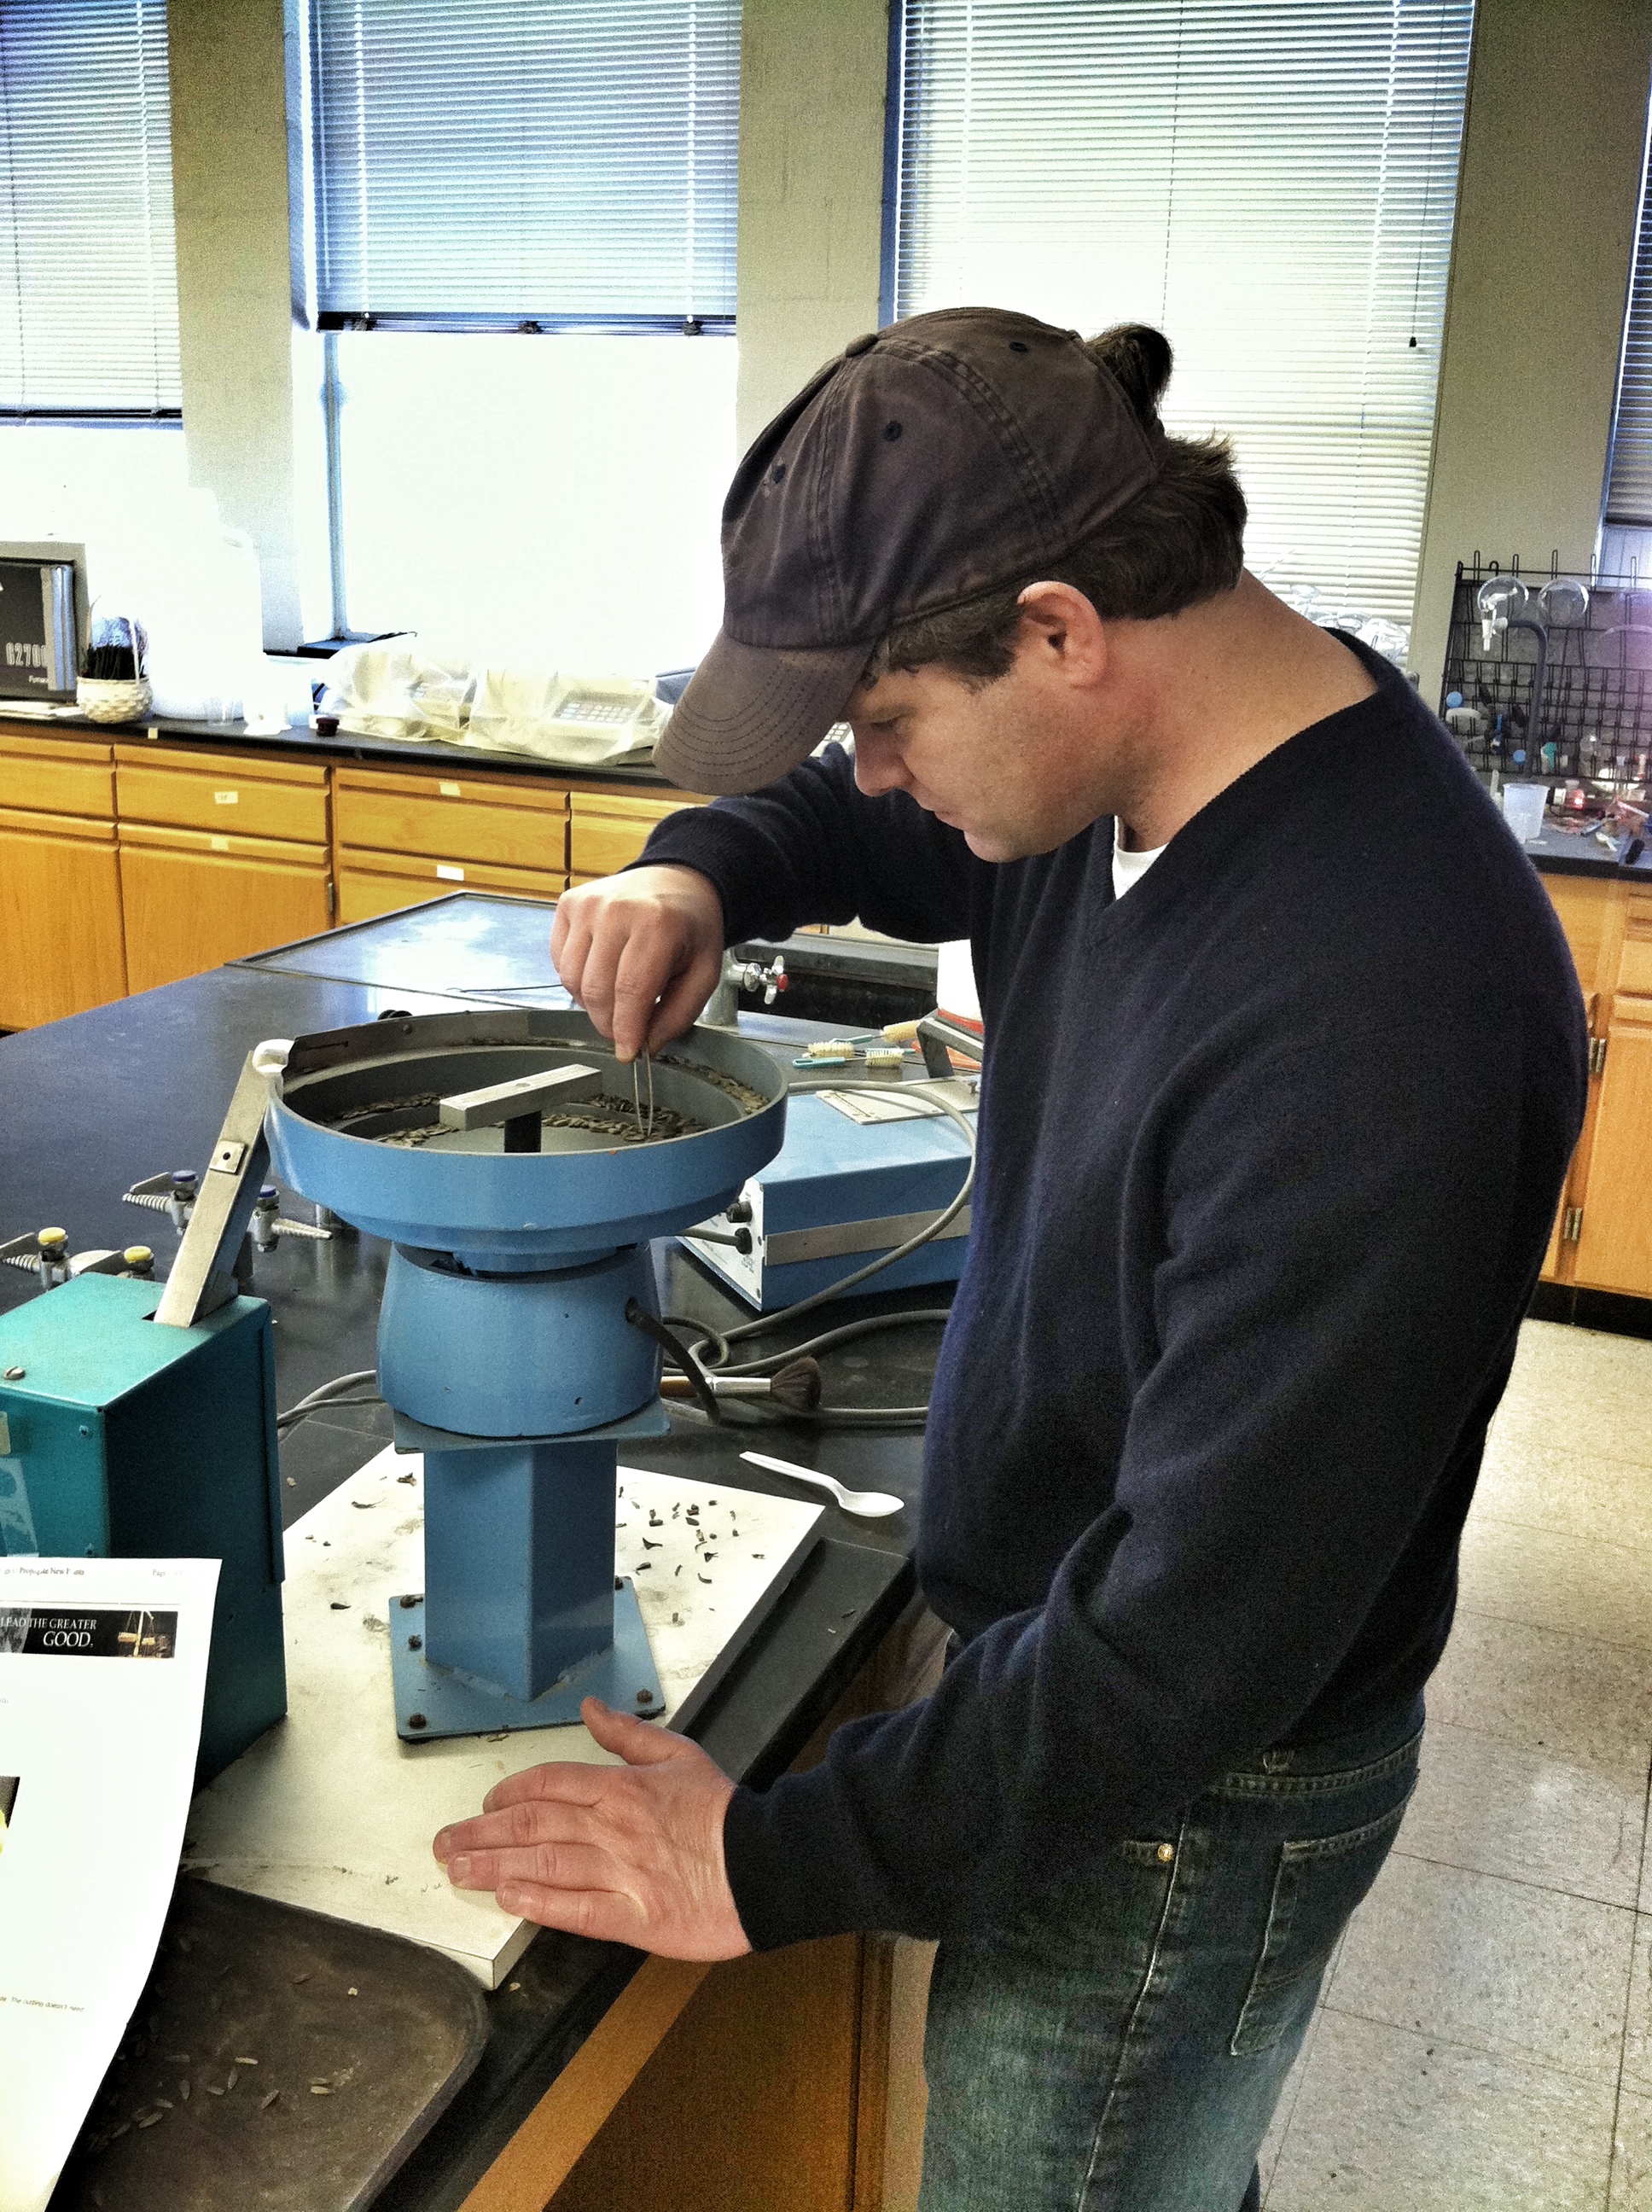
[(675, 1349)]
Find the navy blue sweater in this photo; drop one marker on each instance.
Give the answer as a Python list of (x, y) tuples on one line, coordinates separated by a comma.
[(1269, 1155)]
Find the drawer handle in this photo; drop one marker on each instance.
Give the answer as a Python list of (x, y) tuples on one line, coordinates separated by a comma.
[(449, 875), (219, 844), (449, 790), (226, 797)]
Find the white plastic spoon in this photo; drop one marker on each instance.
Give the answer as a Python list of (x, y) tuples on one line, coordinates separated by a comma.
[(869, 1505)]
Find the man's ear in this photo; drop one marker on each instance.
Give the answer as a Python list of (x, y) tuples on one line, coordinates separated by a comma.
[(1062, 631)]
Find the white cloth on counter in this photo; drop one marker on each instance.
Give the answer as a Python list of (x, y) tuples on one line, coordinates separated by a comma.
[(399, 687)]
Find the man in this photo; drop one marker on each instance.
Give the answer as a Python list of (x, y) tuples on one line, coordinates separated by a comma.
[(1285, 1063)]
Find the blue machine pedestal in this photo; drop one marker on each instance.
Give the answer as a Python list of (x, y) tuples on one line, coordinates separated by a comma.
[(521, 1615), (433, 1700)]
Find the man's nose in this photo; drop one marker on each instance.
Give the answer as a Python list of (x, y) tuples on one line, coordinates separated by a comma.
[(878, 766)]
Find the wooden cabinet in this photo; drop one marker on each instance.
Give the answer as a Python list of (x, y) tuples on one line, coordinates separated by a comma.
[(1602, 1236), (131, 864), (608, 830), (61, 948), (221, 855), (383, 883), (1614, 1220), (223, 792), (403, 838), (192, 899)]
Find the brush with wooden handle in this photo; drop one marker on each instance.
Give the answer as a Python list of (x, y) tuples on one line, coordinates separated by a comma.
[(796, 1387)]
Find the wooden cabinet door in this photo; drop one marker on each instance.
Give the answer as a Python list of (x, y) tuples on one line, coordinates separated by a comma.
[(1588, 908), (60, 931), (188, 907), (1614, 1248)]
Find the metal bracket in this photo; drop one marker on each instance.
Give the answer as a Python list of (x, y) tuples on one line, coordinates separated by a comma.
[(203, 1276)]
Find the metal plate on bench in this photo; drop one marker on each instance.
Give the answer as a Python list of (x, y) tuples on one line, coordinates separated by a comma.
[(357, 2042)]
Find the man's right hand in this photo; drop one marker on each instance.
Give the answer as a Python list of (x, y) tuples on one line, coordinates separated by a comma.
[(642, 952)]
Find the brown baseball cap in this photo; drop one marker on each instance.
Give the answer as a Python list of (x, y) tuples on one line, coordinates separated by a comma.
[(931, 461)]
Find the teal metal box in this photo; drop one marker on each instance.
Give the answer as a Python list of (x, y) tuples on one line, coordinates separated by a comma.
[(123, 1439)]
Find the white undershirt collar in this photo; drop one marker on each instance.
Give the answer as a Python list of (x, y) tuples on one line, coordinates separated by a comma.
[(1130, 868)]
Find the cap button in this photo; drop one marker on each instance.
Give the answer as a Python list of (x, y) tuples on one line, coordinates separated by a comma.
[(863, 344)]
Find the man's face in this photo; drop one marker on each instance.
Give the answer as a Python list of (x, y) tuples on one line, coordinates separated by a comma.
[(1009, 763)]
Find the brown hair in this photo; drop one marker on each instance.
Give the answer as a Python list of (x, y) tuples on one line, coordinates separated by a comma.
[(1177, 543)]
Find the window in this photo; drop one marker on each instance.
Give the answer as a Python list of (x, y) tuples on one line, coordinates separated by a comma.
[(522, 233), (549, 501), (88, 296), (1270, 182), (550, 161), (1628, 515)]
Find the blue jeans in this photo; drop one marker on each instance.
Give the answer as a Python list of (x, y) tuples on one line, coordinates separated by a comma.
[(1118, 2042)]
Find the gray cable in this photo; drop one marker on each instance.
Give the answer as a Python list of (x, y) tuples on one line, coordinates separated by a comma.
[(332, 1394)]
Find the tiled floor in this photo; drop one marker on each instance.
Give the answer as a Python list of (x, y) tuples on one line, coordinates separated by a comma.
[(1484, 2043)]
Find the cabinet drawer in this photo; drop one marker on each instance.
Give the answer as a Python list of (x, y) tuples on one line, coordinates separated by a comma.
[(57, 779), (141, 837), (382, 883), (452, 817), (72, 828), (608, 830), (255, 798)]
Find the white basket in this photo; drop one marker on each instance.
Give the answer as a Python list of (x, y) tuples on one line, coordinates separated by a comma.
[(102, 701)]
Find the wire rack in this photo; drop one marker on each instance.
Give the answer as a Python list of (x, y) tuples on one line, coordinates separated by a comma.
[(1552, 668)]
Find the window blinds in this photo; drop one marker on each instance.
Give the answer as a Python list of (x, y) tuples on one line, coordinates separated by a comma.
[(504, 161), (89, 293), (1629, 481), (1270, 182)]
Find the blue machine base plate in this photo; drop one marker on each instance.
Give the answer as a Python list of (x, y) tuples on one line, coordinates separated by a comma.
[(451, 1704)]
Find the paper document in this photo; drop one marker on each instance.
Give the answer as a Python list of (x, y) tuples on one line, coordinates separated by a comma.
[(102, 1671)]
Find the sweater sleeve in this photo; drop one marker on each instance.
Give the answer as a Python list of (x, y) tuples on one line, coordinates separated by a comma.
[(813, 848), (1313, 1269)]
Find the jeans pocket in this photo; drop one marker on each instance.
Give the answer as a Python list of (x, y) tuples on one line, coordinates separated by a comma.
[(1316, 1885)]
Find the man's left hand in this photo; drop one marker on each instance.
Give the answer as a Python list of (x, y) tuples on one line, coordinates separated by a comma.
[(630, 1854)]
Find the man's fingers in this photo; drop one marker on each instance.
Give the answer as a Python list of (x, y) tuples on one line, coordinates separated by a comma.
[(546, 1865), (570, 941), (644, 970), (606, 1915)]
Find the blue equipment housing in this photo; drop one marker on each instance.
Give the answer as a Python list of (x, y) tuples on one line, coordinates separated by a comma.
[(839, 1194), (120, 1439)]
